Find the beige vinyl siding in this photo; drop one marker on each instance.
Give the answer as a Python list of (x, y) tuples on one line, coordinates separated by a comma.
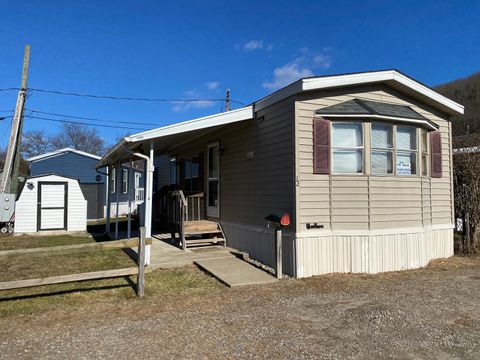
[(251, 189), (359, 202)]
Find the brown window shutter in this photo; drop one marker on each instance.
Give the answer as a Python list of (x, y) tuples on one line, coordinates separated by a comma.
[(436, 149), (321, 146)]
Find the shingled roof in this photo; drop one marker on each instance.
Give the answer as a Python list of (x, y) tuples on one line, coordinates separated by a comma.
[(360, 107)]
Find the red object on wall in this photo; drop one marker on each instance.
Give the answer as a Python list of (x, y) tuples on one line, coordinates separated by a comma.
[(285, 220)]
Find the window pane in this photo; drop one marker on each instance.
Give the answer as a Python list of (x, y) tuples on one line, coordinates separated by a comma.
[(382, 136), (347, 135), (188, 169), (195, 167), (406, 138), (382, 162), (406, 164), (213, 164), (173, 171), (347, 161)]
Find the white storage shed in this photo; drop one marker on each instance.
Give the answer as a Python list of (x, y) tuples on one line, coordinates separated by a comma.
[(51, 203)]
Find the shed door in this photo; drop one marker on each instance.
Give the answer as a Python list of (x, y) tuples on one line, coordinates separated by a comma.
[(52, 206)]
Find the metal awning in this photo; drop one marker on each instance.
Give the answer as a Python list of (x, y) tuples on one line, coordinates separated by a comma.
[(170, 135)]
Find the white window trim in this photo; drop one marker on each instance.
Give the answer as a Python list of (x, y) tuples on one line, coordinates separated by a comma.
[(392, 149), (406, 151), (348, 148), (113, 180), (125, 181)]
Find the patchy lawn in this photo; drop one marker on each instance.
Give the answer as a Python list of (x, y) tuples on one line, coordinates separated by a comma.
[(38, 300), (428, 313)]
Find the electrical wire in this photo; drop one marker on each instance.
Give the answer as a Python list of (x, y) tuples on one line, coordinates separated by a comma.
[(90, 119), (109, 97), (82, 123)]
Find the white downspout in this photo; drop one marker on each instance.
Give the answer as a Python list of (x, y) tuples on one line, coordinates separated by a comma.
[(148, 198), (118, 201)]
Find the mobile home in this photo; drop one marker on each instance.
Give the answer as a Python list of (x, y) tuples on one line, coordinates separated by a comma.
[(361, 162)]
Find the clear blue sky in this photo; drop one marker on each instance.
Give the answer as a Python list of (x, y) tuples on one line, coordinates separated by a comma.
[(182, 49)]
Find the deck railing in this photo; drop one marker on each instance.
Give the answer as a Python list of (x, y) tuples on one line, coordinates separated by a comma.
[(182, 208), (139, 194)]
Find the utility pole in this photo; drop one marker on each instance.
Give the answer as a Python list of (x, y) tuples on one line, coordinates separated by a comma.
[(11, 167), (227, 101)]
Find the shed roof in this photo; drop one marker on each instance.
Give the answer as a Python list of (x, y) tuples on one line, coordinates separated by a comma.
[(62, 151)]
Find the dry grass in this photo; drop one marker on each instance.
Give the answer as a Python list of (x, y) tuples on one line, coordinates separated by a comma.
[(48, 298)]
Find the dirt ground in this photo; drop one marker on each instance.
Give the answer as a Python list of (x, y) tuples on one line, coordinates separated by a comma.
[(432, 313)]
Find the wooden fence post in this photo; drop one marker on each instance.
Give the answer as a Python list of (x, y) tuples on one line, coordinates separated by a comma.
[(141, 264)]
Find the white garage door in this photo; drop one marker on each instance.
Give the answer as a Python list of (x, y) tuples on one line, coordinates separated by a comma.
[(52, 205)]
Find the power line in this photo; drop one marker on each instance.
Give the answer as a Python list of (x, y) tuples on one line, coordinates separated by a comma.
[(82, 123), (10, 89), (91, 119), (110, 97)]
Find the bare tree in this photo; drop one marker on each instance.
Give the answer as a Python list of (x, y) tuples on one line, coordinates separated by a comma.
[(35, 142), (79, 137), (466, 180)]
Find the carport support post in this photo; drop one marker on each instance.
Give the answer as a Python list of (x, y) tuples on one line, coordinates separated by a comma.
[(278, 253), (116, 195), (109, 199), (129, 191), (148, 200)]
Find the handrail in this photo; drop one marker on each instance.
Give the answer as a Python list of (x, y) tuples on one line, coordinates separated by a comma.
[(182, 196)]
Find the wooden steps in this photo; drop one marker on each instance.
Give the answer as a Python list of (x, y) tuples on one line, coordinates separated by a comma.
[(203, 233)]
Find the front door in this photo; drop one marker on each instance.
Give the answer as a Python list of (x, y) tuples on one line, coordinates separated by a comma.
[(52, 206), (213, 180)]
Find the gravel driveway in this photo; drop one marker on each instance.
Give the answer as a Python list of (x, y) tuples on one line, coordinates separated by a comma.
[(432, 313)]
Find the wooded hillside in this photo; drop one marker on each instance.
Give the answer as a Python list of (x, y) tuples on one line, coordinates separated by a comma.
[(466, 92)]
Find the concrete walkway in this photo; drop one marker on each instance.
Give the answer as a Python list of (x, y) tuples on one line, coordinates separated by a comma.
[(223, 263), (166, 256), (219, 261), (233, 271)]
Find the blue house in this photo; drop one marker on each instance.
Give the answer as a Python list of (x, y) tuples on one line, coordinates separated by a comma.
[(81, 165)]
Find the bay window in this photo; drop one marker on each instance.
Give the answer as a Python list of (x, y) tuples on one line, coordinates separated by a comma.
[(347, 148), (406, 149), (382, 149)]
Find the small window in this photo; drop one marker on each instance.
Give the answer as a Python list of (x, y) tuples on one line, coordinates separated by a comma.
[(406, 146), (382, 149), (124, 181), (173, 171), (424, 148), (347, 148), (113, 178), (191, 169)]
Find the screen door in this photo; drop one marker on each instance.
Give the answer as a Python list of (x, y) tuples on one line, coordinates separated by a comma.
[(213, 181)]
